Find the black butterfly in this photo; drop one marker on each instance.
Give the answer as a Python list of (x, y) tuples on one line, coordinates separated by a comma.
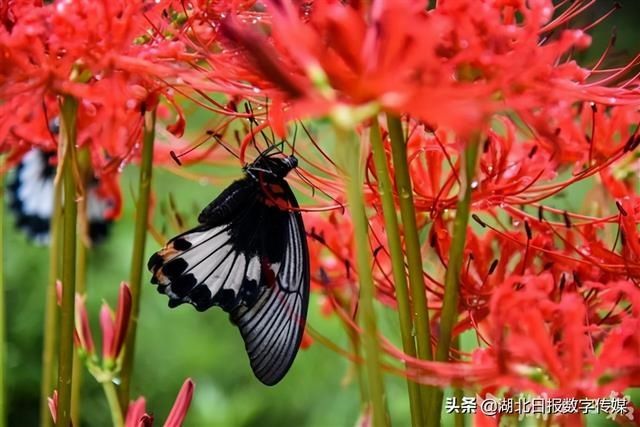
[(249, 256)]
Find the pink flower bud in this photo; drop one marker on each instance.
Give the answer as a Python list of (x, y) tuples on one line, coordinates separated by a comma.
[(107, 326), (53, 405), (123, 314), (114, 332), (180, 407), (82, 333)]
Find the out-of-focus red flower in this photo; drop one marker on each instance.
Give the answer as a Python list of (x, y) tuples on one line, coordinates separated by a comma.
[(453, 65)]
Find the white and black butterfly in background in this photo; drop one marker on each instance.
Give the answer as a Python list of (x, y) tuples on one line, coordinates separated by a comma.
[(249, 256), (31, 199)]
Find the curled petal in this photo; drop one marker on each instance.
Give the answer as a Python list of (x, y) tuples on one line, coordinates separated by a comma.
[(136, 413), (180, 407), (177, 128), (145, 421), (123, 313)]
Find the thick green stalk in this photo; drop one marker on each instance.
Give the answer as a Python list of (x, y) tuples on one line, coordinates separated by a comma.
[(84, 165), (76, 389), (51, 308), (412, 247), (458, 393), (114, 404), (65, 357), (350, 151), (385, 190), (137, 259), (411, 239), (3, 332), (354, 339), (456, 254)]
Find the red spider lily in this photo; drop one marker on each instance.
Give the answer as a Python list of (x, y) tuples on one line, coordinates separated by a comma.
[(558, 347), (453, 65), (332, 258), (137, 417), (97, 52)]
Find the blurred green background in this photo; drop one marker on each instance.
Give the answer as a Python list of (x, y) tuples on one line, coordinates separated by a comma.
[(180, 343)]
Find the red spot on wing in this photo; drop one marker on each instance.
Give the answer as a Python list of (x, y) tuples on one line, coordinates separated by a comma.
[(268, 273)]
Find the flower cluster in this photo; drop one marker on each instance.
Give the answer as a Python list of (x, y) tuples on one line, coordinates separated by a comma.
[(547, 289), (119, 59), (452, 66)]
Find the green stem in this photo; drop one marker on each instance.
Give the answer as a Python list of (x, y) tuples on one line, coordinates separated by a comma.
[(137, 260), (350, 150), (114, 403), (65, 358), (51, 307), (84, 165), (456, 254), (357, 368), (3, 332), (385, 190), (458, 393), (412, 248)]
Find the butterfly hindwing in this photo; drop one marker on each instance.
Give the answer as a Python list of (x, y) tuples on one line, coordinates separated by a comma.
[(272, 328), (249, 256)]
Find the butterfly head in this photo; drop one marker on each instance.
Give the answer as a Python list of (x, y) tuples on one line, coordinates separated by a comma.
[(269, 167)]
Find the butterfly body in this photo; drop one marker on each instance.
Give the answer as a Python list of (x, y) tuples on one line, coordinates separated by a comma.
[(248, 256)]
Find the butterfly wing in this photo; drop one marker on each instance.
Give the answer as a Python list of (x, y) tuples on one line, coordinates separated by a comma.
[(249, 257), (31, 195)]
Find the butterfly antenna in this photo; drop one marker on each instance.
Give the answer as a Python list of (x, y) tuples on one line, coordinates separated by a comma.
[(252, 121), (268, 142), (279, 147)]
